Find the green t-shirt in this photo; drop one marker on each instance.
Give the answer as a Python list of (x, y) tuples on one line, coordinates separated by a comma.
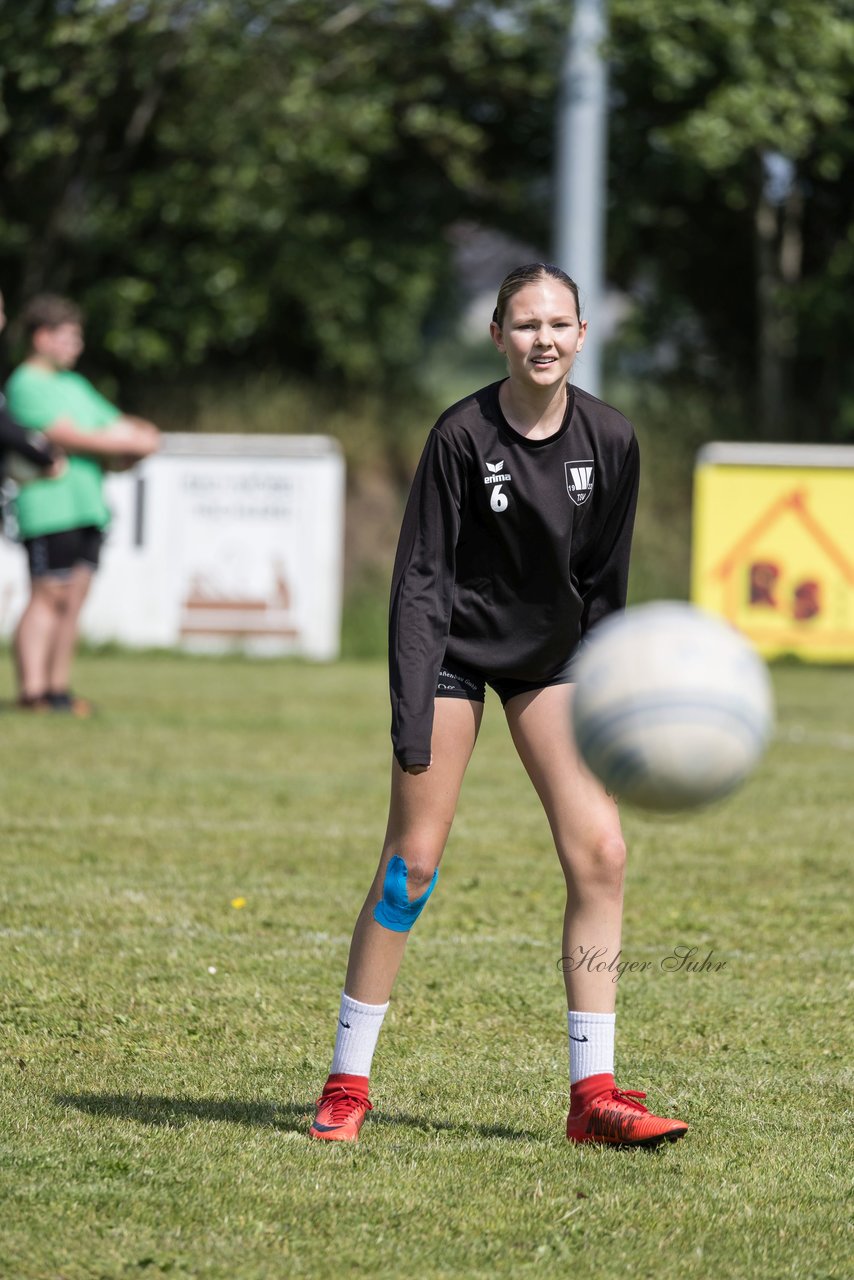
[(37, 397)]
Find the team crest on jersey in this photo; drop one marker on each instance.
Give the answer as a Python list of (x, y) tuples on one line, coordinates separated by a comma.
[(579, 480)]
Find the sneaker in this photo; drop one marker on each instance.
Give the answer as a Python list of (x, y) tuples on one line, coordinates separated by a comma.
[(341, 1112), (600, 1112), (36, 703), (70, 704)]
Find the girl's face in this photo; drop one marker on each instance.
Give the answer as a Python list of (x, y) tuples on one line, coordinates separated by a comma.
[(541, 334)]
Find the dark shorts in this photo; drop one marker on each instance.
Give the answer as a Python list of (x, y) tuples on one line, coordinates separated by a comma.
[(460, 682), (54, 555)]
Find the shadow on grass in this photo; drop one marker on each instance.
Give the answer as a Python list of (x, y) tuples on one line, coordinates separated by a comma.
[(174, 1113)]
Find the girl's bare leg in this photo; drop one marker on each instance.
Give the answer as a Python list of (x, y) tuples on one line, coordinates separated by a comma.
[(585, 824), (421, 812), (68, 621)]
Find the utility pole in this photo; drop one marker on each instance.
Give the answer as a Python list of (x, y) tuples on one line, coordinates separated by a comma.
[(580, 175)]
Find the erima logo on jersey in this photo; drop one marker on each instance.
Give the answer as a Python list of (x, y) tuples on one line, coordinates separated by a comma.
[(498, 500), (495, 474), (579, 480)]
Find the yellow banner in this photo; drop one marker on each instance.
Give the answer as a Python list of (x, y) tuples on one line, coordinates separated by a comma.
[(773, 546)]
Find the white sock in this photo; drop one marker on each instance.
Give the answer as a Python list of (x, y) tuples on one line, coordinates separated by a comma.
[(358, 1030), (591, 1044)]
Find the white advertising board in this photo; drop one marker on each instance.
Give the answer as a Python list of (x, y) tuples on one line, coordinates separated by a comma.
[(217, 542)]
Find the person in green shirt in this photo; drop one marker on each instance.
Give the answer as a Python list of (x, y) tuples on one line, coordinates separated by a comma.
[(62, 519), (21, 450)]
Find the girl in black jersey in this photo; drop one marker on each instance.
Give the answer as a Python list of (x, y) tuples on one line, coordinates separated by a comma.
[(515, 542)]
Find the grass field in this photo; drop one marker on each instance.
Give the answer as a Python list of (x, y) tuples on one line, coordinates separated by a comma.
[(161, 1046)]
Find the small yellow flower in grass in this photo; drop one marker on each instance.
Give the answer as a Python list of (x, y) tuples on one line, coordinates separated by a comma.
[(237, 903)]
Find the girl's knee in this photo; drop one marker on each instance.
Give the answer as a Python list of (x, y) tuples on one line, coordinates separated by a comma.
[(52, 595), (405, 889), (611, 858), (420, 863), (601, 863)]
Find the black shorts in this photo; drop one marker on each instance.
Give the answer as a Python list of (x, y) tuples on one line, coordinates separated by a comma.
[(460, 682), (54, 555)]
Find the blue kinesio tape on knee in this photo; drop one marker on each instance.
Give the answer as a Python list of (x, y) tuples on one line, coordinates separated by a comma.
[(394, 910)]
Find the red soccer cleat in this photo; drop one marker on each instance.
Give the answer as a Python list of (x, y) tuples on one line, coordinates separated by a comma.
[(600, 1112), (341, 1109)]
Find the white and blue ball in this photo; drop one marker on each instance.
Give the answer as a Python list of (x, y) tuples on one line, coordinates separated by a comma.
[(673, 707)]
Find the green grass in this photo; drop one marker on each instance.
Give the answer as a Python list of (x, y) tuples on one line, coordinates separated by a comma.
[(153, 1113)]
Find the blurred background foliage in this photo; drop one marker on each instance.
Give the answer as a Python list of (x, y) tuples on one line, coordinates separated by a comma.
[(263, 207)]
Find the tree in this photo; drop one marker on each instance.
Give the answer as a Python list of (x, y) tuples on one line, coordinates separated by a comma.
[(732, 129), (270, 179), (275, 181)]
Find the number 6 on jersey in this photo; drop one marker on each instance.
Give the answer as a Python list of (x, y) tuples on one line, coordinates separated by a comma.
[(497, 499)]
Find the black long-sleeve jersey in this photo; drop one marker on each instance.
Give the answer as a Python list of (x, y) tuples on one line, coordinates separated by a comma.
[(29, 444), (509, 551)]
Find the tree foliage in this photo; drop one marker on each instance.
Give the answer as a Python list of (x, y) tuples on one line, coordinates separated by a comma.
[(274, 180), (732, 150), (265, 175)]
